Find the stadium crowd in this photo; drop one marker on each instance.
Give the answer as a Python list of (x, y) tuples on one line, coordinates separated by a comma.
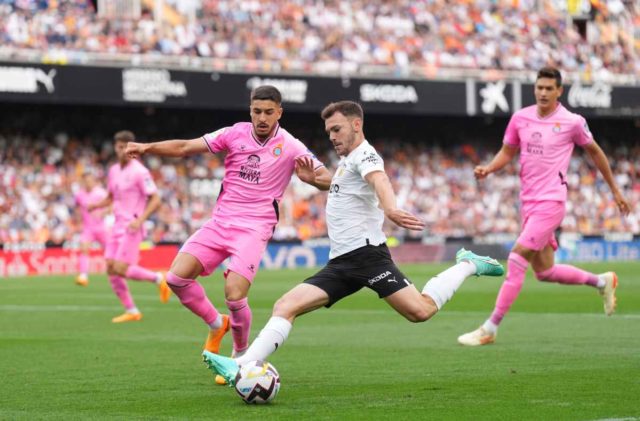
[(38, 178), (343, 35)]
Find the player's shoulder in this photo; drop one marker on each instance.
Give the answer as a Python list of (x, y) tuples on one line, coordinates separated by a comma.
[(242, 127), (365, 154), (237, 131), (526, 112), (113, 169), (139, 167), (284, 136), (365, 149), (571, 116)]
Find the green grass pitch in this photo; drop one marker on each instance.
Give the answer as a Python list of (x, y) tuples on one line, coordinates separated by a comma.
[(557, 356)]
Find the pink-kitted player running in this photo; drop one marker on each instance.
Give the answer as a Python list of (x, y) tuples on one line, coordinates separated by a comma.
[(134, 197), (545, 134), (261, 158), (93, 226)]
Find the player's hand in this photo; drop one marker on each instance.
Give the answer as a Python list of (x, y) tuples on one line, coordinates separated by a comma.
[(135, 225), (405, 219), (304, 169), (481, 171), (135, 150), (622, 203)]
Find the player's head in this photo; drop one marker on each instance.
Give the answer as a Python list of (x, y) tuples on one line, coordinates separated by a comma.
[(548, 89), (265, 110), (120, 139), (89, 179), (343, 122)]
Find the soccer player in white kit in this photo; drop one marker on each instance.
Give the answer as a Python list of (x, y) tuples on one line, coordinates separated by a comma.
[(360, 196)]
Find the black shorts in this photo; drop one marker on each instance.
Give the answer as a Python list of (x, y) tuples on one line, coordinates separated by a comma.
[(368, 266)]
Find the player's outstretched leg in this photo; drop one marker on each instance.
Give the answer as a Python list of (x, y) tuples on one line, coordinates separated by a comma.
[(606, 283), (138, 273), (222, 366), (441, 287)]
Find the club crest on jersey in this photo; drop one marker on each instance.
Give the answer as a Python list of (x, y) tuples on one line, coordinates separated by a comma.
[(277, 150), (557, 128)]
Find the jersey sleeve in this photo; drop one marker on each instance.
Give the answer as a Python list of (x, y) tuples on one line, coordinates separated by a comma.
[(146, 183), (301, 150), (110, 186), (368, 162), (511, 136), (217, 141), (581, 134)]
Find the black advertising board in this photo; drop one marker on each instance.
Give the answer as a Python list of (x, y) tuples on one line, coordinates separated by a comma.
[(113, 86)]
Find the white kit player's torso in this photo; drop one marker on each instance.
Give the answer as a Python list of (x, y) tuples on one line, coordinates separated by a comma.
[(353, 216)]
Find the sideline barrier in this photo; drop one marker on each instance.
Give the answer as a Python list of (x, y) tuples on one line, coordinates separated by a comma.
[(61, 261)]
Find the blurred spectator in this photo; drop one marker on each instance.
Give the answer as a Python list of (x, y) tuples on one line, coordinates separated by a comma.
[(39, 176), (340, 36)]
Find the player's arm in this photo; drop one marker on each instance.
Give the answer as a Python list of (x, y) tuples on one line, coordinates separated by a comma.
[(602, 163), (101, 204), (172, 148), (319, 178), (152, 205), (502, 158), (387, 197)]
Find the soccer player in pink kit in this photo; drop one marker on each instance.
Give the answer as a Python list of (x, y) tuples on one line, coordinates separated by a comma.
[(546, 134), (261, 158), (93, 228), (134, 196)]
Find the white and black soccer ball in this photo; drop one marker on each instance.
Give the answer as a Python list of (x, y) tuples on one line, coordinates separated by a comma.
[(257, 382)]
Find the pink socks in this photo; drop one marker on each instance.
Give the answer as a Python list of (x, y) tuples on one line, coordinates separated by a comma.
[(139, 273), (84, 264), (240, 318), (566, 274), (120, 287), (193, 296), (516, 270)]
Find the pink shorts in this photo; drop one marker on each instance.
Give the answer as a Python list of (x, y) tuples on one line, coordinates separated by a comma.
[(124, 246), (215, 241), (98, 235), (539, 222)]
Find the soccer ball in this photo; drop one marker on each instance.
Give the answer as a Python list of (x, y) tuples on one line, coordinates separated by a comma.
[(257, 382)]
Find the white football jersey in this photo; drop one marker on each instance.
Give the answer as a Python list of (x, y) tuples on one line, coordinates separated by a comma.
[(353, 216)]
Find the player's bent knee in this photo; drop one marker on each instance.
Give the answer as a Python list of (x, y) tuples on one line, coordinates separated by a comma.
[(545, 275), (284, 308), (419, 315)]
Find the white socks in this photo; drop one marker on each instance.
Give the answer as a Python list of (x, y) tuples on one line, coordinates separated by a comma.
[(274, 333), (158, 278), (601, 281), (217, 323), (133, 310), (490, 327), (442, 287)]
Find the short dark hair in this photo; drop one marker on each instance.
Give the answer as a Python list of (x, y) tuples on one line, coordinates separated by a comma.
[(346, 108), (267, 93), (124, 136), (550, 73)]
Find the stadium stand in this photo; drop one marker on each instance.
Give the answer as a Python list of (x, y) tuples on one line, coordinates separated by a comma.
[(434, 180), (431, 38)]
